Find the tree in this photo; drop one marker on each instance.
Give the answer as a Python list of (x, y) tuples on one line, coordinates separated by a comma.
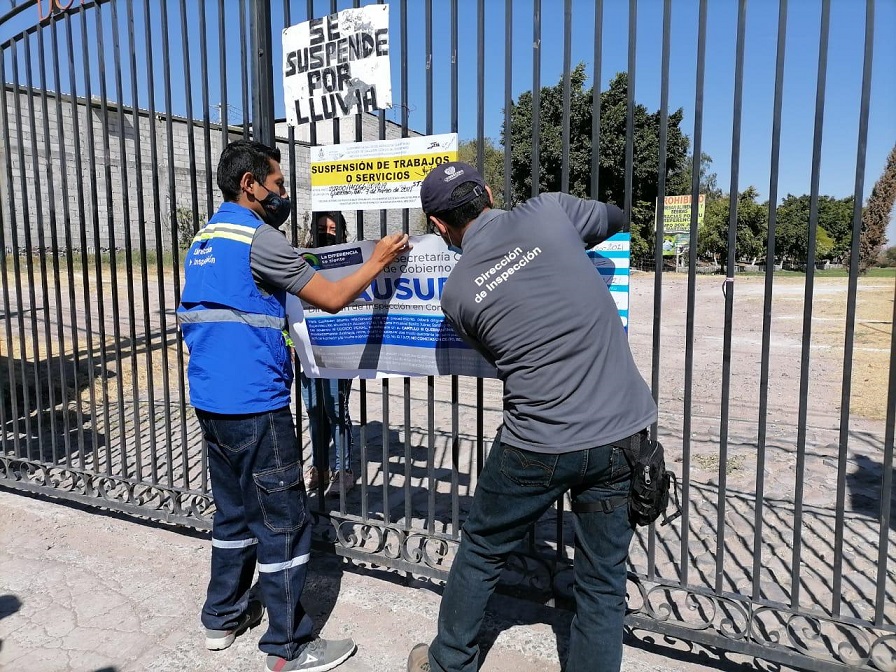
[(493, 165), (611, 156), (834, 233), (888, 257), (709, 181), (752, 228), (877, 214)]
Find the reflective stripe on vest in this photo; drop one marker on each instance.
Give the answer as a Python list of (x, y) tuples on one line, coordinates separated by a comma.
[(231, 315), (237, 232)]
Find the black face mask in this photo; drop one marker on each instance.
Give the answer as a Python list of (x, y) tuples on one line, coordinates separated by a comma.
[(324, 239), (277, 208)]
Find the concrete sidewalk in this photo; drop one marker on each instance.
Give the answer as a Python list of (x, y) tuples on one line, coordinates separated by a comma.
[(90, 592)]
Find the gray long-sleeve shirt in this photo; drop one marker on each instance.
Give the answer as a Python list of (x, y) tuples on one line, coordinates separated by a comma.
[(527, 297)]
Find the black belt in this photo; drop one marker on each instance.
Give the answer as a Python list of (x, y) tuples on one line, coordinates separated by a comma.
[(631, 446)]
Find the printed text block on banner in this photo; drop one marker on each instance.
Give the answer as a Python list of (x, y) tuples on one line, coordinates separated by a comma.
[(396, 327), (375, 175)]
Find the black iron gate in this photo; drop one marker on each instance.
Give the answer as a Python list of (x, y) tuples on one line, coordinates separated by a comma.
[(113, 113)]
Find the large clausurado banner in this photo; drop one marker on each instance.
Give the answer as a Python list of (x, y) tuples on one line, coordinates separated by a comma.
[(337, 66), (396, 327), (379, 174)]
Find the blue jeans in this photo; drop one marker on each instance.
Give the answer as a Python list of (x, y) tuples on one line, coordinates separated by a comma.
[(326, 401), (260, 516), (515, 489)]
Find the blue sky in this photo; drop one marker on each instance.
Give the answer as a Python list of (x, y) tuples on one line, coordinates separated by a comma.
[(842, 99)]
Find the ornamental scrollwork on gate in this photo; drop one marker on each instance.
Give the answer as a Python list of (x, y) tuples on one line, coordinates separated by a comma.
[(152, 499), (842, 644)]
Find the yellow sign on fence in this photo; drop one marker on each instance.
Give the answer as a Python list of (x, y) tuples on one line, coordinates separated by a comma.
[(377, 174), (677, 212)]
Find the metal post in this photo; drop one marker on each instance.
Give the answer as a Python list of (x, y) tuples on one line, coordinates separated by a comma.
[(262, 71)]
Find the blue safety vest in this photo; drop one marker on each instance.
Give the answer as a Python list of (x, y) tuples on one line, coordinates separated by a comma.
[(239, 362)]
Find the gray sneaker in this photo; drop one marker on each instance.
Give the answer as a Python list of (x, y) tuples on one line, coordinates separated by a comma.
[(319, 656), (217, 640)]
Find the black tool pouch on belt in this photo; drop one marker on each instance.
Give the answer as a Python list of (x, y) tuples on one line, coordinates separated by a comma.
[(652, 485), (649, 494)]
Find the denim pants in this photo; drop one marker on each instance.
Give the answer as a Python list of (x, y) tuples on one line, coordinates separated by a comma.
[(326, 401), (515, 488), (260, 517)]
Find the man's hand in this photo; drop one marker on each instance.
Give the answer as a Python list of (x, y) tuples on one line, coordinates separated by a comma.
[(334, 296), (388, 248)]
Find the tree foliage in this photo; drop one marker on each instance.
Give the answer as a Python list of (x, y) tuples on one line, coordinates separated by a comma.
[(834, 231), (611, 149), (752, 228), (877, 214), (493, 165)]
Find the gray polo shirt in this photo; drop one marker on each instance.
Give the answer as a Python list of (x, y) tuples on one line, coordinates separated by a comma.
[(526, 296), (276, 265)]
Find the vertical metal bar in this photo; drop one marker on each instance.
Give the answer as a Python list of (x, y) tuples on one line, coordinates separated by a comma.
[(262, 72), (29, 270), (405, 227), (223, 107), (206, 129), (175, 247), (89, 300), (729, 295), (455, 439), (7, 312), (567, 66), (144, 261), (886, 486), (595, 97), (387, 514), (480, 161), (244, 75), (430, 380), (69, 242), (536, 98), (293, 195), (87, 296), (209, 207), (194, 204), (658, 249), (767, 301), (630, 108), (807, 307), (508, 104), (692, 299), (160, 257), (849, 340), (54, 251), (560, 551), (42, 260), (113, 247), (128, 246)]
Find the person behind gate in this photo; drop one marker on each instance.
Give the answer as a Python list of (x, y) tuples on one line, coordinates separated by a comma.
[(326, 399), (528, 298), (232, 315)]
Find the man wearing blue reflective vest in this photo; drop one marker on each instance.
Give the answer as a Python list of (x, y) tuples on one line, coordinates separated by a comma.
[(238, 272)]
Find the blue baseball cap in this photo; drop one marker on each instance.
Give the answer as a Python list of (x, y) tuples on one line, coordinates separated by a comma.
[(440, 183)]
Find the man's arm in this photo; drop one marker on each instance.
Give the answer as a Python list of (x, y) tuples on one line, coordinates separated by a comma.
[(277, 265), (595, 221), (334, 296)]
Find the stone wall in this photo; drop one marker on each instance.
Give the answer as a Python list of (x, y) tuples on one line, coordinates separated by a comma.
[(111, 188)]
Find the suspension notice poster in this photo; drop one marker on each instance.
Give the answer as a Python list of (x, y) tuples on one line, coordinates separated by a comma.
[(375, 175), (396, 327), (337, 66)]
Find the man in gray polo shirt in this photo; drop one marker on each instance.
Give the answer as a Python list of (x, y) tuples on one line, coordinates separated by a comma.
[(527, 297)]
